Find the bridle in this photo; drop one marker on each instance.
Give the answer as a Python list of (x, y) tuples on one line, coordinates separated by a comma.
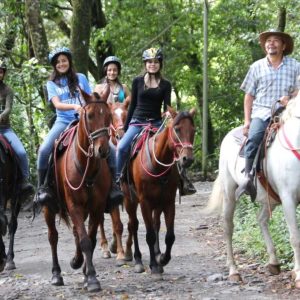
[(92, 136)]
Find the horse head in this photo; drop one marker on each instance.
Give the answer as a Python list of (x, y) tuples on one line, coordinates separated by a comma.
[(182, 132), (93, 129), (119, 115)]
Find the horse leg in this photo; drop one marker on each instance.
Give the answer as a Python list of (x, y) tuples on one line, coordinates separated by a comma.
[(263, 218), (77, 261), (2, 254), (228, 211), (289, 209), (87, 246), (169, 213), (57, 279), (150, 236), (12, 228), (103, 240), (133, 226), (156, 225), (117, 232)]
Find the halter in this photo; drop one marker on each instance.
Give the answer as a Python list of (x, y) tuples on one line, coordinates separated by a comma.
[(90, 153), (179, 143)]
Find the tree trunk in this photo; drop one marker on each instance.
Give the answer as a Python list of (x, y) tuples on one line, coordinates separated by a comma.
[(36, 30), (80, 34)]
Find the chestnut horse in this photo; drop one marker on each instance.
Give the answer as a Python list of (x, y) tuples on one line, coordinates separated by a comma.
[(152, 181), (83, 182), (10, 176), (119, 115)]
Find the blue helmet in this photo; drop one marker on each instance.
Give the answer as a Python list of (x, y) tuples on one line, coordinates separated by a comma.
[(60, 50), (112, 60)]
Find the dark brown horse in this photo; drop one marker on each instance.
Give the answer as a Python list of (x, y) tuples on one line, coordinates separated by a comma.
[(119, 115), (154, 177), (10, 176), (83, 181)]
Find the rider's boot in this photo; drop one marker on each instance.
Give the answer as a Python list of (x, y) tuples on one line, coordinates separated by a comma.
[(26, 187), (116, 195), (186, 187), (43, 194), (247, 186)]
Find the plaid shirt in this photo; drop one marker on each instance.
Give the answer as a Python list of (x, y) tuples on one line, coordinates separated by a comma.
[(268, 85)]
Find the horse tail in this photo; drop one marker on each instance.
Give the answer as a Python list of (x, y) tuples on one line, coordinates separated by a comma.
[(215, 203), (65, 216)]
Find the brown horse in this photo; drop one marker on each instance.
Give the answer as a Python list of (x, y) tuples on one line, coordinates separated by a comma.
[(119, 115), (152, 182), (10, 176), (83, 182)]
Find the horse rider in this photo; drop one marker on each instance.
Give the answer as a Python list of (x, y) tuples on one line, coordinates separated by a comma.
[(150, 92), (63, 90), (274, 77), (6, 103), (118, 92)]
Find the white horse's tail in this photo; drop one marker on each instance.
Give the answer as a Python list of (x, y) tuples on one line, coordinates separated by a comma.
[(215, 203)]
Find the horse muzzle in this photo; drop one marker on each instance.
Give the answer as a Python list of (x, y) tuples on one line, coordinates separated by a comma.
[(186, 161)]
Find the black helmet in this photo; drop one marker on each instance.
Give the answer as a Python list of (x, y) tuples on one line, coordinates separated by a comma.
[(60, 50), (112, 59), (3, 65), (153, 53)]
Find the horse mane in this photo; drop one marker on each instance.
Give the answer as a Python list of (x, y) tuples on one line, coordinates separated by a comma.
[(182, 115), (292, 109)]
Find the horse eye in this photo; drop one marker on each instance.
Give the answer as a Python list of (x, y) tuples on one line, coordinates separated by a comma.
[(177, 129)]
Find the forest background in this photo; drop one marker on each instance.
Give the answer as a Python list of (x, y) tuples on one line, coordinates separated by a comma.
[(94, 29)]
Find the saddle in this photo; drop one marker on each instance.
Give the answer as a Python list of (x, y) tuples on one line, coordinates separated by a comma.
[(6, 149)]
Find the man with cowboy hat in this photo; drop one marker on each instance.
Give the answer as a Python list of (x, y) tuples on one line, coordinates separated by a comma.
[(272, 78)]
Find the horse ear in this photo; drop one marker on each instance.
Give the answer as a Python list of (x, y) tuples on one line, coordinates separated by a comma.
[(172, 111), (96, 96), (87, 97), (192, 111)]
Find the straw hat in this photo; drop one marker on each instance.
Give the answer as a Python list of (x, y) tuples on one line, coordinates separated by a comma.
[(288, 40)]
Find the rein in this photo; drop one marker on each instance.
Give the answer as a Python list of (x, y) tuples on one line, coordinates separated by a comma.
[(289, 144), (173, 143), (90, 152)]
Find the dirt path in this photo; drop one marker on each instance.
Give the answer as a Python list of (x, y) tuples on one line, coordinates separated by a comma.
[(197, 269)]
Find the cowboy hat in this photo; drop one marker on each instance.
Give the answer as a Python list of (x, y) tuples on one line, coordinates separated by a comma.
[(288, 40)]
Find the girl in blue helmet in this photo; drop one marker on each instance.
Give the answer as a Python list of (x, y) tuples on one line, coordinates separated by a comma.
[(63, 89), (118, 92)]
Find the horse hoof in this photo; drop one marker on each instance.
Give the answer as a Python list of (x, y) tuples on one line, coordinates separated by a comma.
[(297, 284), (92, 285), (128, 256), (157, 270), (76, 262), (2, 265), (10, 265), (235, 278), (113, 248), (106, 254), (273, 269), (139, 268), (57, 280), (120, 262)]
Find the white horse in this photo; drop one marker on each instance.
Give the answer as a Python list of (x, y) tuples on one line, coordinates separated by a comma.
[(282, 168)]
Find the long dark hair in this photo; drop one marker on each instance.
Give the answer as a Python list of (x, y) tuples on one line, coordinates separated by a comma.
[(71, 75)]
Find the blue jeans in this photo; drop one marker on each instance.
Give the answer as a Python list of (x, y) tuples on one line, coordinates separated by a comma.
[(255, 136), (123, 148), (48, 144), (19, 149)]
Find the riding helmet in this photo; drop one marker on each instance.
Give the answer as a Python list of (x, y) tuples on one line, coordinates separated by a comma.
[(114, 60), (60, 50)]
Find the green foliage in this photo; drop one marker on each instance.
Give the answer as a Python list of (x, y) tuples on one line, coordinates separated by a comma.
[(247, 235)]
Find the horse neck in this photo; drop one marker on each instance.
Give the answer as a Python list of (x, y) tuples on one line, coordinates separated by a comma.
[(163, 151)]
